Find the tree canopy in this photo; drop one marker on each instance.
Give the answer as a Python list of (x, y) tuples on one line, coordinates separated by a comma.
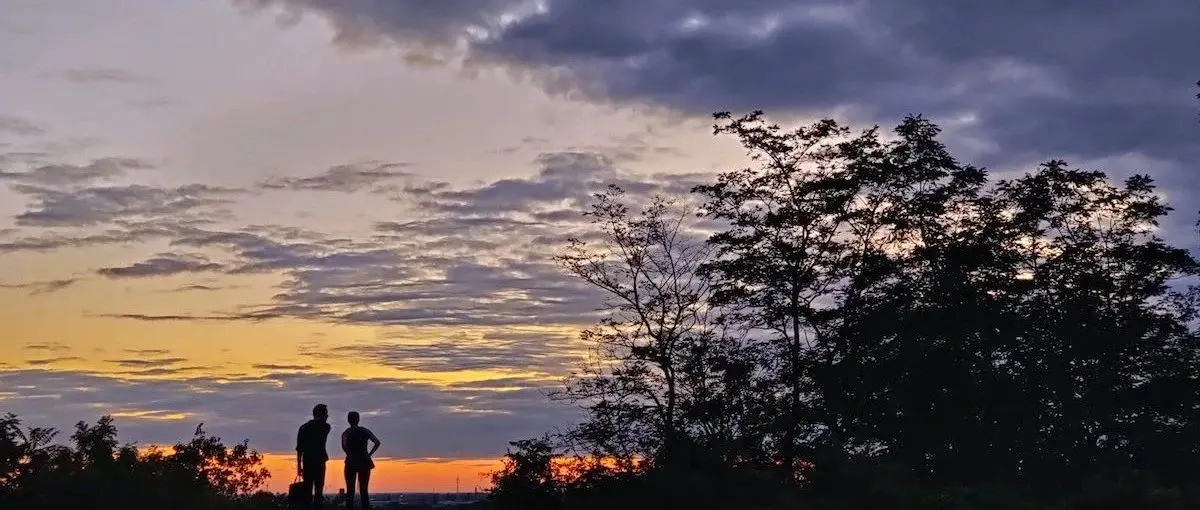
[(871, 308), (94, 471)]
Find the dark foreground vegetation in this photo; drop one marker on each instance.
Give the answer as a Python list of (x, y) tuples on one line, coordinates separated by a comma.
[(864, 322), (93, 471)]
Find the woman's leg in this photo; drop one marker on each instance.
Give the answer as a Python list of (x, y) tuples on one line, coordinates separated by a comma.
[(349, 471), (364, 478)]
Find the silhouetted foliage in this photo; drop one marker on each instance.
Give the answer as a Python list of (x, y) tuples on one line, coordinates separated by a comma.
[(95, 472), (664, 376), (529, 478), (909, 334)]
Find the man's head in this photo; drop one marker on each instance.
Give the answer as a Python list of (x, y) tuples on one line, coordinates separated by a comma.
[(352, 417), (320, 412)]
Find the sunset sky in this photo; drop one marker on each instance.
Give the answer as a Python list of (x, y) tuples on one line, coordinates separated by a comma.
[(226, 212)]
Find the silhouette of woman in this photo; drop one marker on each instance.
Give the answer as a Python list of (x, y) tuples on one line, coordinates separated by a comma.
[(358, 459)]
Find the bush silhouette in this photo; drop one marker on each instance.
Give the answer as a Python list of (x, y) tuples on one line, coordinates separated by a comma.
[(94, 472)]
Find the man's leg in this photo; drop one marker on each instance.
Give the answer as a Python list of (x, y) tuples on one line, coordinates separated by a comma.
[(318, 484), (349, 472), (364, 478), (306, 477)]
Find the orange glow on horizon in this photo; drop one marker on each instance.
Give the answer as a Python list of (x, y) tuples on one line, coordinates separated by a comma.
[(394, 475)]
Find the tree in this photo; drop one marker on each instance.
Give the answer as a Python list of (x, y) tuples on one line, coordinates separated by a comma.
[(908, 310), (529, 479), (811, 229), (905, 330), (95, 446), (229, 472), (663, 375), (26, 455), (1104, 344), (95, 473)]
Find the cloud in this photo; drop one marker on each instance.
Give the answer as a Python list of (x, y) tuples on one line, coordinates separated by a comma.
[(476, 256), (524, 351), (183, 317), (102, 75), (74, 206), (63, 175), (343, 178), (153, 415), (106, 204), (147, 352), (43, 287), (563, 185), (280, 367), (47, 346), (50, 361), (1013, 83), (19, 126), (200, 287), (153, 103), (144, 362), (168, 371), (415, 420), (121, 232), (166, 264)]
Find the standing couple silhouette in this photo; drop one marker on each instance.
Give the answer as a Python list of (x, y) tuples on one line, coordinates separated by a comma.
[(311, 456)]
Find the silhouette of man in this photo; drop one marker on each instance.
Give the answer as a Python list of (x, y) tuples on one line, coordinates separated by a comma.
[(358, 459), (311, 455)]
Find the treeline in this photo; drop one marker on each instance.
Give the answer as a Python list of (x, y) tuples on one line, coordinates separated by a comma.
[(863, 321), (92, 471)]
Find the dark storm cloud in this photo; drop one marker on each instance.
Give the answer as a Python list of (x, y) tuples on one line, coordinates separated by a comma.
[(166, 264), (1014, 83), (343, 178), (415, 420)]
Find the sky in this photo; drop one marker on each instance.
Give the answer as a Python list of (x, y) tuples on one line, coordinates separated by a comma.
[(227, 211)]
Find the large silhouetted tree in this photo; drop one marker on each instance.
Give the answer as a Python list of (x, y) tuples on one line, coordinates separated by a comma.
[(821, 219), (1036, 336), (903, 321)]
